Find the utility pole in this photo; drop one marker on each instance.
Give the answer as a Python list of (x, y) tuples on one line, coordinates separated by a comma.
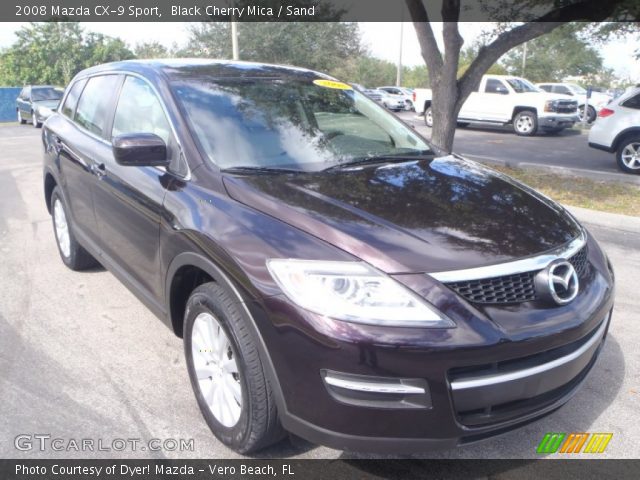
[(234, 40), (524, 58), (399, 67)]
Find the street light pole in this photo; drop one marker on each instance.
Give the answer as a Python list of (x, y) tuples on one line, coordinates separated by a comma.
[(399, 67), (234, 40)]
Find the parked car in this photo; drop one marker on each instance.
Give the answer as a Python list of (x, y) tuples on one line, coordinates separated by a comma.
[(596, 102), (401, 93), (617, 130), (332, 274), (36, 103), (506, 100)]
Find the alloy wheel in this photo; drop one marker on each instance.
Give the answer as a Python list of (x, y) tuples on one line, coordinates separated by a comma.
[(62, 228), (631, 155), (215, 365)]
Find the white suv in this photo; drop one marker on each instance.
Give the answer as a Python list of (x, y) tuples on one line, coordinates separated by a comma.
[(617, 129)]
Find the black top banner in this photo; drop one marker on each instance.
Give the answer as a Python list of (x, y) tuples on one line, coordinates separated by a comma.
[(318, 10)]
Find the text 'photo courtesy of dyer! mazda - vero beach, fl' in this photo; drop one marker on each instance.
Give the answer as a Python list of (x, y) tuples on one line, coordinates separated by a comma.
[(399, 246)]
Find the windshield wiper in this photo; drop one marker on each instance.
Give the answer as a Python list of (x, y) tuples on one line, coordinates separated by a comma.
[(378, 159), (257, 169)]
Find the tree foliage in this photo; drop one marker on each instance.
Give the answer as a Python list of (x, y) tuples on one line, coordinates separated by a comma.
[(562, 53), (53, 52), (319, 45), (151, 50)]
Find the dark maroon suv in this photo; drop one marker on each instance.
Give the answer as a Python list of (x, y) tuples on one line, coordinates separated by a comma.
[(332, 274)]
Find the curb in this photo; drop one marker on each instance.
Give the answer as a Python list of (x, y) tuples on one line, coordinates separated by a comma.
[(613, 221)]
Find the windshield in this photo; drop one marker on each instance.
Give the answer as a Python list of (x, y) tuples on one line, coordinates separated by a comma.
[(520, 85), (48, 93), (303, 125), (576, 89)]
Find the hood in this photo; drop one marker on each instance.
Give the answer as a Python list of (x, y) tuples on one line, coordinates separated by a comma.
[(50, 104), (544, 95), (421, 216)]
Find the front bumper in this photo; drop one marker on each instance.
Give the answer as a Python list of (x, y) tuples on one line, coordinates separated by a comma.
[(557, 121), (379, 389)]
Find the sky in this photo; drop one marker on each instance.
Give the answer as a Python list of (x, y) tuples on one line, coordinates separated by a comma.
[(383, 40)]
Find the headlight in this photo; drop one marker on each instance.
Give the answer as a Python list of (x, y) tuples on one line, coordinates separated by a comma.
[(354, 292), (550, 106)]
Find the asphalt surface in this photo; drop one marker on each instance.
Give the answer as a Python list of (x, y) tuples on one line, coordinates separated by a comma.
[(81, 358), (497, 144)]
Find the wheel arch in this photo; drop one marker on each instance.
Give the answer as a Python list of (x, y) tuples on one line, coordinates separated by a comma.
[(188, 261), (50, 184), (628, 132), (521, 108)]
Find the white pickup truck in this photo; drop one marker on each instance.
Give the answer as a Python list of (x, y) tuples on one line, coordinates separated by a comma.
[(504, 100)]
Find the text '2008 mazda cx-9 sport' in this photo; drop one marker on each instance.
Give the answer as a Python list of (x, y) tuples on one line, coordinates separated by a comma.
[(332, 274)]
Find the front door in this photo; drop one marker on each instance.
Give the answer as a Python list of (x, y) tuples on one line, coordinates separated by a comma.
[(128, 199)]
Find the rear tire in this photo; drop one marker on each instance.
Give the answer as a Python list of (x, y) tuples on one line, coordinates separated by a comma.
[(73, 255), (628, 155), (428, 117), (254, 423), (525, 123), (591, 113)]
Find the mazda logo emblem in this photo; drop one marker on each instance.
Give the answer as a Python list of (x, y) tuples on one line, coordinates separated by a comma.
[(558, 282)]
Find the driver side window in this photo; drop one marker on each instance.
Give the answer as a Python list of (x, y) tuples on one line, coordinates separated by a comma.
[(140, 111)]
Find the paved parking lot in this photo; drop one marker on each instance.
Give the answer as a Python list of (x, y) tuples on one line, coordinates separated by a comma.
[(81, 358), (568, 149)]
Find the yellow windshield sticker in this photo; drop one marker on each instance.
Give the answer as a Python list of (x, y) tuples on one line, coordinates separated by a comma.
[(332, 84)]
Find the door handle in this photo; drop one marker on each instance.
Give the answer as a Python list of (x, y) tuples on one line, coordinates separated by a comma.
[(98, 169)]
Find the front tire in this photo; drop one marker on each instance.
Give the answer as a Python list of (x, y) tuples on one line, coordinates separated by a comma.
[(628, 155), (21, 120), (428, 117), (34, 120), (73, 255), (226, 372), (525, 123)]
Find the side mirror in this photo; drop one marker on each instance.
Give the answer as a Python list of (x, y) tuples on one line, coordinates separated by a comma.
[(140, 150)]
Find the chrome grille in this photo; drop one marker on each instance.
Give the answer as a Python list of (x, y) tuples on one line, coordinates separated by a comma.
[(516, 288)]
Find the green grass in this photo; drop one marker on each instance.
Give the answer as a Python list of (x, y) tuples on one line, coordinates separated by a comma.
[(609, 197)]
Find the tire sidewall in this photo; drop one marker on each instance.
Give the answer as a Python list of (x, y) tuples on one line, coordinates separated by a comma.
[(428, 113), (233, 436)]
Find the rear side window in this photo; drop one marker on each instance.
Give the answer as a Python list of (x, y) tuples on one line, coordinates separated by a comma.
[(140, 111), (633, 102), (93, 107), (546, 88), (72, 98), (494, 86)]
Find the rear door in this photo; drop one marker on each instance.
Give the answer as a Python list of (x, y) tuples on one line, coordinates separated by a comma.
[(128, 199), (81, 148)]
